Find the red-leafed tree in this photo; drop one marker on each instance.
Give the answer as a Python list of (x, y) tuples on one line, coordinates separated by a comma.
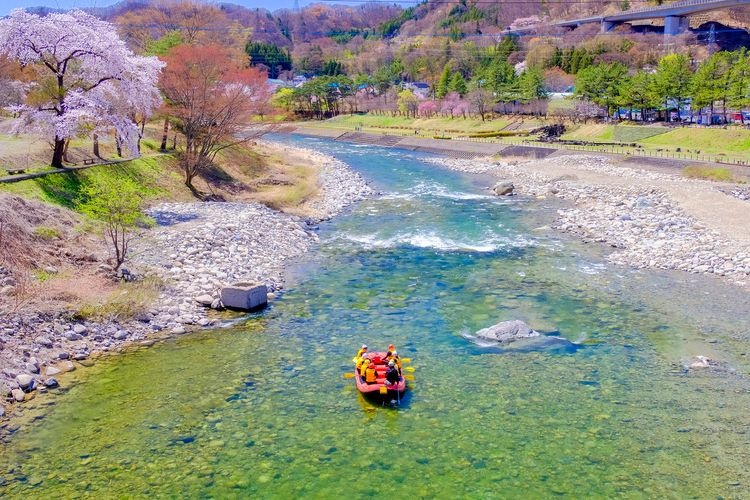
[(212, 99)]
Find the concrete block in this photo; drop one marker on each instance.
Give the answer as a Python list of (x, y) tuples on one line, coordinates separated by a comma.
[(244, 296)]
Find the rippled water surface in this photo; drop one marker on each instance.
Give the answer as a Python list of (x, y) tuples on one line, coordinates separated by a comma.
[(263, 409)]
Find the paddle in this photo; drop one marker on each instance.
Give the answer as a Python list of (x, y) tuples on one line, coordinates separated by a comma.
[(406, 360), (348, 375), (409, 369), (410, 378)]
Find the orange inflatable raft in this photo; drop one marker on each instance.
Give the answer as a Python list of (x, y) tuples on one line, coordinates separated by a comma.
[(379, 387)]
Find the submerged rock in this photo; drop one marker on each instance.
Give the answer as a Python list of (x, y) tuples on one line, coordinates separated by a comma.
[(518, 336), (701, 362), (506, 331)]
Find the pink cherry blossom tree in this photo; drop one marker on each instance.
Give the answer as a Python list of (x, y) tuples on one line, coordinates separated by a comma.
[(87, 77), (428, 108)]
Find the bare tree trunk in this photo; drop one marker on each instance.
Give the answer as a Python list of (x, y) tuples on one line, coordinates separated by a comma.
[(57, 155), (140, 136), (65, 151), (164, 135), (96, 146)]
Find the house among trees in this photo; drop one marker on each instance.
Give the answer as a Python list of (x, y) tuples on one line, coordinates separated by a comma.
[(421, 89)]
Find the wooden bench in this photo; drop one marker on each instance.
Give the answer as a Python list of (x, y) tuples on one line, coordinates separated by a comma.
[(89, 161), (15, 171)]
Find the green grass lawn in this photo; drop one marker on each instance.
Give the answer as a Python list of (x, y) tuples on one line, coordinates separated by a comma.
[(436, 124), (730, 141), (153, 175)]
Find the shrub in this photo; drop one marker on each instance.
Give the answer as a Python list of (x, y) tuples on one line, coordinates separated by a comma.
[(117, 204), (47, 233)]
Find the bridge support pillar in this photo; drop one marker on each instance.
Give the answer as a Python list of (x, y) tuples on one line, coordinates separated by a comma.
[(674, 25), (608, 25)]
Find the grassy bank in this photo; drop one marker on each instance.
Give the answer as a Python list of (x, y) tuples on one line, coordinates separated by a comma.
[(730, 145), (456, 125), (56, 251)]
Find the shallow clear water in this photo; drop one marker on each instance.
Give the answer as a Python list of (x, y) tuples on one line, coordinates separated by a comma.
[(262, 408)]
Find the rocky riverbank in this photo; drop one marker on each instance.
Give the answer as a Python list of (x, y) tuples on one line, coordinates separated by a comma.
[(194, 249), (628, 209)]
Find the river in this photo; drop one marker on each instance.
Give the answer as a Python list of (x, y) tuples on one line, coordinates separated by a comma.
[(261, 408)]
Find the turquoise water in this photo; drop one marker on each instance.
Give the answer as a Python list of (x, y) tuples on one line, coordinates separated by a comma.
[(262, 408)]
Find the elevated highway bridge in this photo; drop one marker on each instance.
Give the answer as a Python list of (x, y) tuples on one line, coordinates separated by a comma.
[(675, 15)]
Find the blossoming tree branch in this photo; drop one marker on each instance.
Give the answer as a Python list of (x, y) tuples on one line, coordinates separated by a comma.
[(86, 78)]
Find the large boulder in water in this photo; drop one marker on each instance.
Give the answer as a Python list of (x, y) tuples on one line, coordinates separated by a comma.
[(503, 188), (507, 331)]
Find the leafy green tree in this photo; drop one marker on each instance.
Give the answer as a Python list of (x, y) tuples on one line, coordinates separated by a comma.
[(531, 85), (457, 84), (443, 85), (383, 80), (322, 97), (284, 98), (408, 104), (712, 81), (498, 75), (636, 92), (601, 84), (671, 81), (117, 202), (269, 55), (739, 88)]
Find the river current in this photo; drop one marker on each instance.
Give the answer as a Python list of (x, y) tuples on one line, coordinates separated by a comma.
[(261, 407)]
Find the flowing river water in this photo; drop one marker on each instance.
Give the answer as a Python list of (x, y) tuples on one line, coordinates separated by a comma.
[(261, 408)]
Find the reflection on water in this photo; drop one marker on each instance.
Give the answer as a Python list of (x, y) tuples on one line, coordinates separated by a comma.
[(262, 408)]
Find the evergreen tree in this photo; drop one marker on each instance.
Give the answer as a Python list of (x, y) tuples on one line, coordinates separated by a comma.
[(332, 67), (601, 84), (498, 75), (457, 84), (739, 88), (274, 58), (531, 85), (443, 86)]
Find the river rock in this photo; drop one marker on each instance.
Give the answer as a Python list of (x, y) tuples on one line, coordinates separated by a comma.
[(51, 370), (2, 411), (18, 395), (79, 329), (507, 331), (51, 383), (204, 300), (25, 381), (44, 342), (503, 188), (66, 366)]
